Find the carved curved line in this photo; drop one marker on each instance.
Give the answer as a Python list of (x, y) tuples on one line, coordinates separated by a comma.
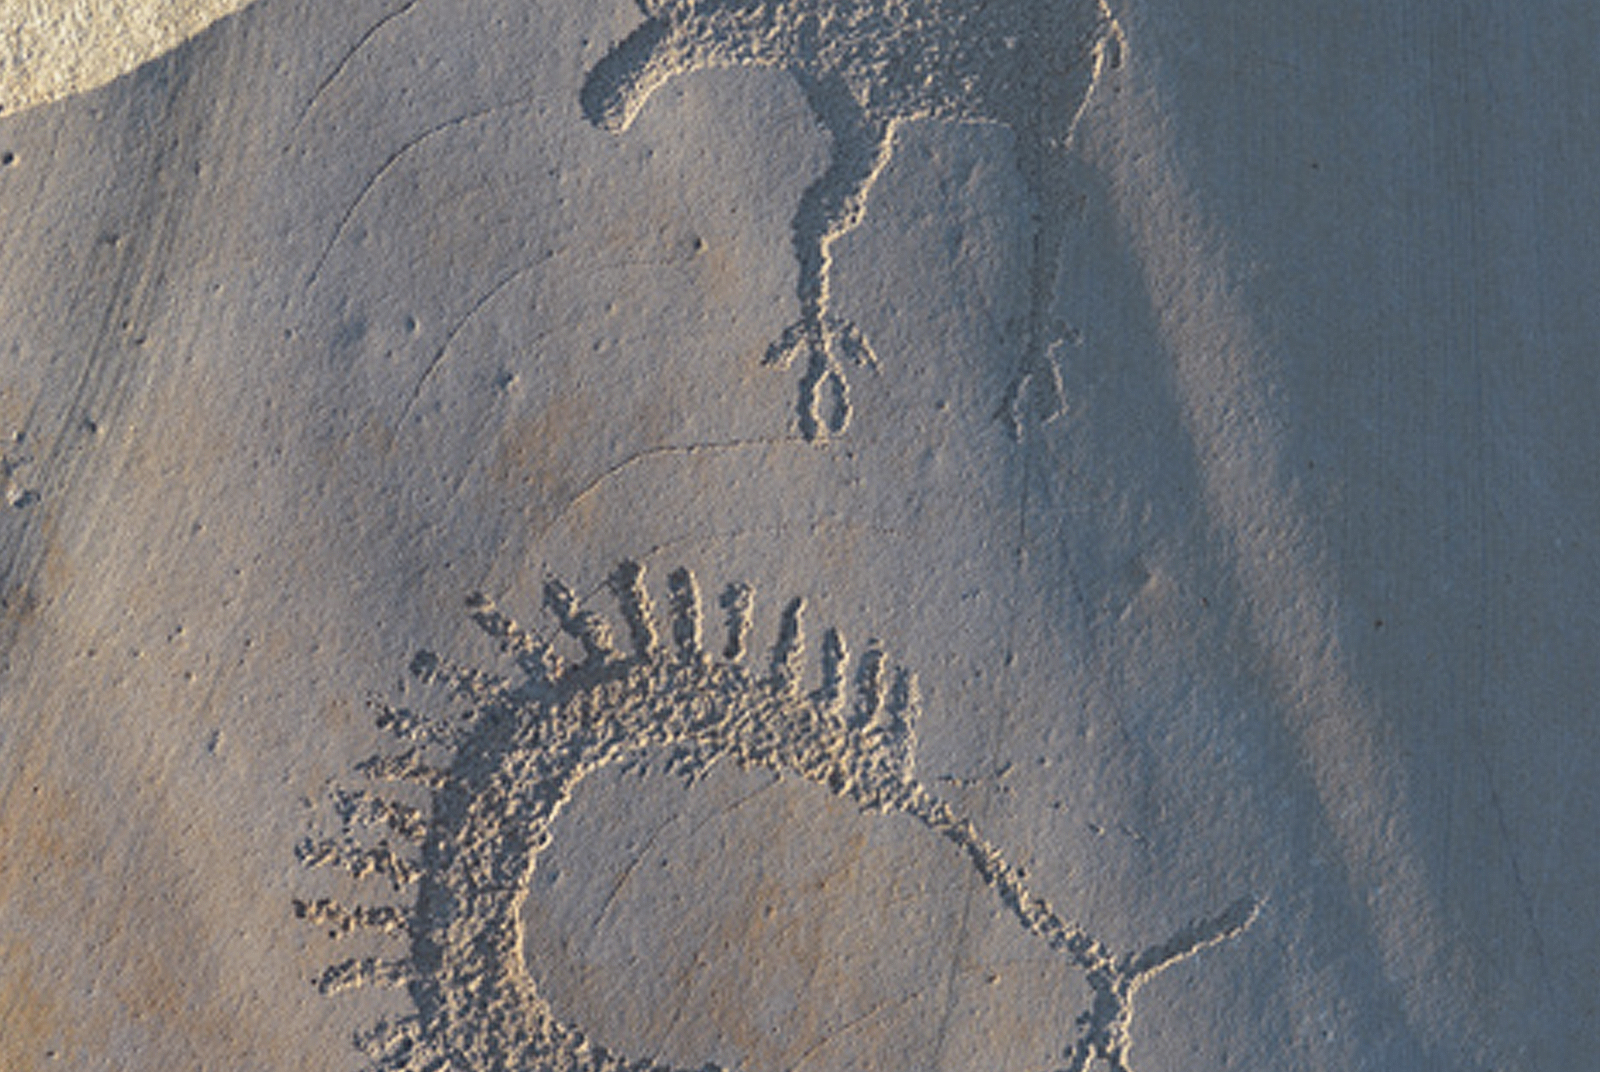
[(488, 296), (848, 1027), (667, 450), (387, 165), (339, 67), (639, 856), (1193, 937), (458, 327), (624, 78)]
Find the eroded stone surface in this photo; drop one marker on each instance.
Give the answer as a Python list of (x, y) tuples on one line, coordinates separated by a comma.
[(339, 312)]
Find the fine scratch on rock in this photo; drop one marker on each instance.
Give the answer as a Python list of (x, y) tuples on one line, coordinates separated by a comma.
[(493, 292), (668, 450), (350, 54), (846, 1028), (633, 864), (459, 326), (394, 158)]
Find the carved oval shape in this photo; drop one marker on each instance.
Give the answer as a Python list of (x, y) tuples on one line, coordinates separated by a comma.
[(759, 922), (779, 961)]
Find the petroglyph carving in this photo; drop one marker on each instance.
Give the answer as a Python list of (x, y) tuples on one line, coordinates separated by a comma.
[(866, 66), (500, 772)]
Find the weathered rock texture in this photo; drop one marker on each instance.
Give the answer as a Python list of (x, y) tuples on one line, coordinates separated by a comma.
[(1197, 400), (52, 48)]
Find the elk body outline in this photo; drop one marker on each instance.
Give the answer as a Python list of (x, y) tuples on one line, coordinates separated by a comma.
[(865, 66), (510, 764)]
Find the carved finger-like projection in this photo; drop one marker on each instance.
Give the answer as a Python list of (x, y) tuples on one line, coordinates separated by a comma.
[(499, 772), (866, 66)]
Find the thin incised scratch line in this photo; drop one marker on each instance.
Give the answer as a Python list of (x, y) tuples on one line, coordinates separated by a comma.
[(963, 932), (688, 449), (681, 985), (847, 1027), (490, 294), (648, 453), (460, 325), (627, 872), (394, 158), (339, 68)]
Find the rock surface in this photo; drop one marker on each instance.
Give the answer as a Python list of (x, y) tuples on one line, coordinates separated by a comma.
[(1052, 530), (50, 49)]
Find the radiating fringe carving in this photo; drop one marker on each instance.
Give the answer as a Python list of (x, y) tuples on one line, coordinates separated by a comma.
[(499, 771)]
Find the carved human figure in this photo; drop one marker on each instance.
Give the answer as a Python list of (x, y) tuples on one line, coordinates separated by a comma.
[(864, 67)]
